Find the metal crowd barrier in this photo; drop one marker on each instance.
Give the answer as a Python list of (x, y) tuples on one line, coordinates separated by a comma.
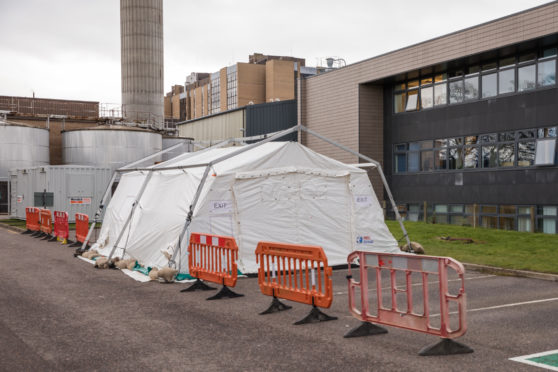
[(408, 316), (213, 258), (298, 273)]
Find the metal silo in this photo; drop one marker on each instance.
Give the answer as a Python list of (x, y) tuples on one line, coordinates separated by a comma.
[(110, 146), (141, 34), (21, 146)]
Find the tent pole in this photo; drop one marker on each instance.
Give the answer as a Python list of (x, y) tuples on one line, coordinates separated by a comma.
[(153, 155), (136, 202), (97, 217), (378, 166), (206, 173)]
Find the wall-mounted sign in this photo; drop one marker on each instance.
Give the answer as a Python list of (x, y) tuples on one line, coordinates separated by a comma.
[(84, 201)]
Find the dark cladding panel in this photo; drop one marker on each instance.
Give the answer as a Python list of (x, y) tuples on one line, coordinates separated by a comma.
[(271, 117)]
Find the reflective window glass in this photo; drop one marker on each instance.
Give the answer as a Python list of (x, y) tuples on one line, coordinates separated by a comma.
[(489, 157), (507, 223), (471, 140), (440, 77), (469, 209), (400, 163), (506, 81), (549, 52), (527, 57), (456, 209), (414, 146), (506, 136), (547, 73), (545, 152), (440, 143), (471, 157), (455, 141), (489, 209), (526, 134), (489, 66), (487, 138), (547, 132), (524, 224), (427, 97), (456, 91), (440, 159), (426, 81), (524, 210), (547, 225), (507, 62), (426, 161), (507, 209), (525, 153), (414, 161), (489, 85), (425, 144), (489, 222), (440, 94), (401, 147), (506, 155), (412, 84), (455, 158), (400, 86), (441, 208), (526, 78), (548, 211), (412, 101), (471, 88)]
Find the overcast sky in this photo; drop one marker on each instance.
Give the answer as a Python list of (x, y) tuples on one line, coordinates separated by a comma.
[(70, 49)]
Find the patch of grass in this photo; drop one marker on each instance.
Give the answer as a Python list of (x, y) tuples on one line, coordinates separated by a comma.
[(507, 249), (21, 223)]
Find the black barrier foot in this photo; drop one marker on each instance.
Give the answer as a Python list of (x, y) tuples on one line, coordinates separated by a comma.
[(225, 292), (446, 346), (26, 232), (276, 306), (46, 237), (365, 329), (76, 244), (38, 234), (198, 285), (53, 239), (315, 316)]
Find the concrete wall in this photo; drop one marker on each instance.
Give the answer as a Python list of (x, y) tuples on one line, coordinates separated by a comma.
[(141, 36)]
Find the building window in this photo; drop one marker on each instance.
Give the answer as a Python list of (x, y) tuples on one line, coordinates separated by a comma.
[(400, 158), (489, 85), (414, 157), (456, 91), (506, 81), (232, 88), (526, 76), (399, 102), (545, 152), (215, 93), (471, 88), (546, 219)]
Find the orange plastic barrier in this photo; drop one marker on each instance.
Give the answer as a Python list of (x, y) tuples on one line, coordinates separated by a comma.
[(213, 258), (294, 272), (82, 227), (45, 221), (32, 219), (61, 226), (396, 305)]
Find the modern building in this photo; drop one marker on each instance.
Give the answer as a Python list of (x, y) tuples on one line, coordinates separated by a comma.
[(465, 124), (263, 79)]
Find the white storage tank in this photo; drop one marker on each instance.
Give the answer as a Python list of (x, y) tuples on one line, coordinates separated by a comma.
[(66, 188), (109, 146), (20, 146), (168, 141)]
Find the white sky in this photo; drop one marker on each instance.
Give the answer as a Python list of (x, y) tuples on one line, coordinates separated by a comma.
[(70, 49)]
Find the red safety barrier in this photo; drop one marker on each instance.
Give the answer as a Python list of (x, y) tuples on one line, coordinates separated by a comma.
[(61, 226), (295, 272), (45, 221), (213, 258), (32, 219), (82, 227), (416, 318)]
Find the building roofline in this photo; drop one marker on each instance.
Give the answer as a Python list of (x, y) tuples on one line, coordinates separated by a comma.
[(436, 38)]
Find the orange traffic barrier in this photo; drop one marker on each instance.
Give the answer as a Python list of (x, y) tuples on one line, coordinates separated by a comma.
[(61, 226), (213, 258), (31, 220), (410, 314), (298, 273), (82, 227), (45, 219)]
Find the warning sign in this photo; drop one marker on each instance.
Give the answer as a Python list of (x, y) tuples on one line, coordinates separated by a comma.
[(19, 199), (85, 201)]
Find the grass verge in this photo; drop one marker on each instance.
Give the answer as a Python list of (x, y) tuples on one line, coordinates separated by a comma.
[(507, 249)]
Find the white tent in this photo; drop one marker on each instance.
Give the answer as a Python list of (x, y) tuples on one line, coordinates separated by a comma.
[(278, 191)]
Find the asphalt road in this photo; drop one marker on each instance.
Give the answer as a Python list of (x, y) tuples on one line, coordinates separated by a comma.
[(59, 313)]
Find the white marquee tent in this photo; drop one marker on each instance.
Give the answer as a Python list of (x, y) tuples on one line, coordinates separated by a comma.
[(278, 191)]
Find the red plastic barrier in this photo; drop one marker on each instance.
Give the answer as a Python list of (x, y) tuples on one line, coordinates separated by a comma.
[(407, 316), (295, 272), (45, 221), (213, 258), (61, 226), (82, 227), (32, 219)]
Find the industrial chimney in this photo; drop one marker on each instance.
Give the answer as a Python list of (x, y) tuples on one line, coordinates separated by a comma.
[(141, 38)]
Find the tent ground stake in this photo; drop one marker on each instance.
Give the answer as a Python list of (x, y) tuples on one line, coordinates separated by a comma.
[(276, 306), (198, 285), (365, 329), (225, 292), (445, 346), (315, 316)]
